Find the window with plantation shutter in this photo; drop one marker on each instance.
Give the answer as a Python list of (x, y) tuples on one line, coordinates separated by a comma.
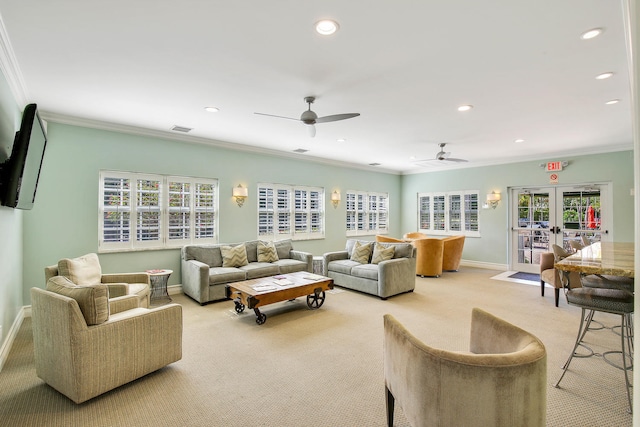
[(367, 213), (454, 212), (290, 212), (140, 211)]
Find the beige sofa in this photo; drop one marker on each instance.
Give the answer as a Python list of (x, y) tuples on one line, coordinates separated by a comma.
[(384, 278), (205, 271), (84, 347)]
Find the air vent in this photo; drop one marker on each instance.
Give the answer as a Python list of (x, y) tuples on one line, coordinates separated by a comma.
[(300, 150), (374, 164), (181, 129)]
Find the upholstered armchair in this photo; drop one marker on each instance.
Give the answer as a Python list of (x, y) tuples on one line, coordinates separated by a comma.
[(429, 254), (501, 382), (452, 253), (414, 235), (83, 350), (86, 270), (381, 238), (548, 274)]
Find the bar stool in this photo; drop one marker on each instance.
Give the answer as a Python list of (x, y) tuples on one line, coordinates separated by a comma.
[(614, 301)]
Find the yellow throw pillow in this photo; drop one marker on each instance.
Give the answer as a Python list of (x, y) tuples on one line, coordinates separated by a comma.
[(361, 253), (92, 300), (380, 253), (267, 252), (234, 256)]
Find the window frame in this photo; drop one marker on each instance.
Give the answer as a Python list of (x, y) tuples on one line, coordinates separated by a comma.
[(130, 240), (290, 212), (367, 213), (439, 213)]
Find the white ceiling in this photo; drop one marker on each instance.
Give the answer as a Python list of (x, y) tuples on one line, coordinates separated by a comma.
[(404, 65)]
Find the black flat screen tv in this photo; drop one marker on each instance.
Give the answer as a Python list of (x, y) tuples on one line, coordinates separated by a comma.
[(21, 172)]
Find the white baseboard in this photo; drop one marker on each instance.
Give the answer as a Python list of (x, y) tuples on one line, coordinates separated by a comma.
[(485, 265), (11, 336), (174, 289)]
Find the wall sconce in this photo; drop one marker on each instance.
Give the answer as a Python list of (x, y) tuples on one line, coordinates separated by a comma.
[(240, 193), (335, 199), (493, 199)]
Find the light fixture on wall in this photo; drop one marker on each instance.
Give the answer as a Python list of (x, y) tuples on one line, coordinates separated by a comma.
[(240, 193), (493, 199), (335, 198)]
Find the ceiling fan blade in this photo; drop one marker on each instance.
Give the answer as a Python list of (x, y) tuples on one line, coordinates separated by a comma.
[(281, 117), (312, 130), (336, 117), (451, 159)]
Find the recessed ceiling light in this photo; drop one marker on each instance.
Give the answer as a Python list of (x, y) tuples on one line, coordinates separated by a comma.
[(518, 141), (326, 27), (595, 32), (465, 107), (211, 109), (604, 75), (613, 101), (341, 140)]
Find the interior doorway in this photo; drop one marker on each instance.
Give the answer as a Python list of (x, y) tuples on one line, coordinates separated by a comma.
[(543, 216)]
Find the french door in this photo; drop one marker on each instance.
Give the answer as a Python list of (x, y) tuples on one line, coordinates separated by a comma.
[(541, 217)]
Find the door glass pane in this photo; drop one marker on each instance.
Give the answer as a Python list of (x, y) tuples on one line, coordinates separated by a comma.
[(581, 216), (533, 226)]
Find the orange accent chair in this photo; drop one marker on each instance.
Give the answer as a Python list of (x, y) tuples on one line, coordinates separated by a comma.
[(413, 236), (452, 253), (429, 255), (380, 238)]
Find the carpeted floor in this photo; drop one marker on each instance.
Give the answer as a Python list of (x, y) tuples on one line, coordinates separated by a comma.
[(321, 367)]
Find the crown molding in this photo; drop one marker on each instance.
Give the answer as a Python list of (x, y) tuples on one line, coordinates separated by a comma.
[(10, 68), (134, 130)]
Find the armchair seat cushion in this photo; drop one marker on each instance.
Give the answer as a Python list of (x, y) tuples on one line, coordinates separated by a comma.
[(92, 300)]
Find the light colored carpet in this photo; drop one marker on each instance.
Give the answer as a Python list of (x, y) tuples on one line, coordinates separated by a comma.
[(321, 367)]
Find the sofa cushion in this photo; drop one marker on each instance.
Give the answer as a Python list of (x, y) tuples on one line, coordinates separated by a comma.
[(342, 266), (284, 248), (252, 250), (267, 252), (290, 265), (361, 253), (219, 275), (401, 250), (260, 269), (82, 271), (93, 300), (209, 254), (366, 271), (234, 256), (381, 253)]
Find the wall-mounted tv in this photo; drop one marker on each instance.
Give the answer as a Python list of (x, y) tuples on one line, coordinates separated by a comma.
[(20, 173)]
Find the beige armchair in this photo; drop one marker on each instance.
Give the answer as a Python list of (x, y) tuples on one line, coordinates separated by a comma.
[(548, 274), (86, 270), (82, 350), (429, 254), (452, 252), (502, 381)]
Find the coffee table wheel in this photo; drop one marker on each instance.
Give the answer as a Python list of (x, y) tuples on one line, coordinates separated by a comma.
[(261, 318), (239, 307), (315, 300)]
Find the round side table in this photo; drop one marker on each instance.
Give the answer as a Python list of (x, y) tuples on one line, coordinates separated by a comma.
[(159, 280)]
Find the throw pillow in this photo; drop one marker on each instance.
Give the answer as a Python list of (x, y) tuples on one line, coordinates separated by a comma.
[(82, 271), (267, 252), (234, 256), (92, 300), (361, 253), (380, 253)]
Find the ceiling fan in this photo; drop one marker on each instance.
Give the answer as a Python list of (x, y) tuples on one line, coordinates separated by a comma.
[(310, 118), (442, 156)]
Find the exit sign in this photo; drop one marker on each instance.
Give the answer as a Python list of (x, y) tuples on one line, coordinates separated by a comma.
[(554, 166)]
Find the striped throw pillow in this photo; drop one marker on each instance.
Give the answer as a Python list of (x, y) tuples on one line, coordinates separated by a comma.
[(361, 253), (234, 256)]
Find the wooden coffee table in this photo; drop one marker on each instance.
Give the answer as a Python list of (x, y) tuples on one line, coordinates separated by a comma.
[(255, 293)]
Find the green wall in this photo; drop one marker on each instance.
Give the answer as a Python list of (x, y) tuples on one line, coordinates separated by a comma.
[(64, 221), (492, 246)]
